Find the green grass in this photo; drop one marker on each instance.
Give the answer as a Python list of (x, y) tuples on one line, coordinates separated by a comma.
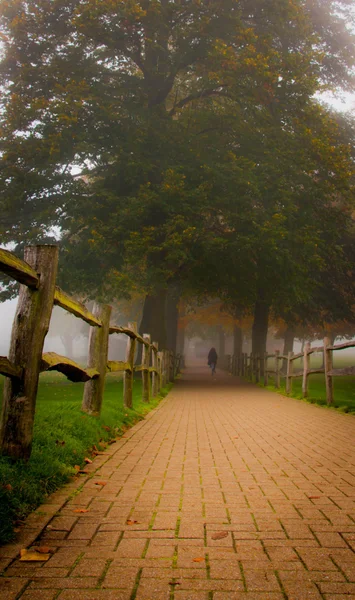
[(63, 437), (344, 386)]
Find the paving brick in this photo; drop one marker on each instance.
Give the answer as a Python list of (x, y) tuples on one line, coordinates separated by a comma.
[(64, 582), (234, 459), (131, 548), (261, 581), (11, 587), (94, 595), (39, 595)]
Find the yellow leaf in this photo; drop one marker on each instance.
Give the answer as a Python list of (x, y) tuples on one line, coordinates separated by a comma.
[(29, 556)]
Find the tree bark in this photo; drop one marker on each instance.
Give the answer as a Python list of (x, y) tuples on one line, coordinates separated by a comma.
[(153, 320), (260, 327), (171, 317), (237, 340)]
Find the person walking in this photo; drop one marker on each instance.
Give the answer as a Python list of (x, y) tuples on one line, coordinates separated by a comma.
[(212, 360)]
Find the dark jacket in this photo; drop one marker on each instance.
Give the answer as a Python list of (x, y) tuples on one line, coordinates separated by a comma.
[(212, 356)]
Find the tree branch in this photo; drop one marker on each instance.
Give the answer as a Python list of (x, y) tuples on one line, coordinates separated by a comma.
[(197, 96)]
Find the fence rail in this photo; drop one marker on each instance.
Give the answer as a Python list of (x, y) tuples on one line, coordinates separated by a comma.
[(38, 294), (255, 367)]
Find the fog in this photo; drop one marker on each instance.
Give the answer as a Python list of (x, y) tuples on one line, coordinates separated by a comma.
[(67, 335)]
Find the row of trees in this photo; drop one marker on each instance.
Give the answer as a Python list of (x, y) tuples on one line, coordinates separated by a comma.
[(207, 168)]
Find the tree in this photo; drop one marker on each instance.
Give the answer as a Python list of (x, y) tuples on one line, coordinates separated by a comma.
[(142, 96)]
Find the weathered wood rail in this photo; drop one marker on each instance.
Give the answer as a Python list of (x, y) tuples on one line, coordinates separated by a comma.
[(255, 367), (38, 294)]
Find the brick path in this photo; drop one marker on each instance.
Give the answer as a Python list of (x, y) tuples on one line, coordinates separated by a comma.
[(276, 476)]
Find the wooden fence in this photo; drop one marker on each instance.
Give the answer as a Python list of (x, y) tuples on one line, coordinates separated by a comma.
[(38, 294), (256, 367)]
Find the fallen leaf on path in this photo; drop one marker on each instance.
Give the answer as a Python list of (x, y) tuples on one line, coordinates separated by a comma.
[(198, 559), (174, 583), (29, 556), (77, 467), (88, 461), (131, 522), (219, 535), (100, 482), (81, 472), (44, 549), (81, 510)]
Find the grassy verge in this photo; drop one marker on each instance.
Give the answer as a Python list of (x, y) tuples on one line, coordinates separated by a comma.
[(63, 437), (344, 391), (344, 386)]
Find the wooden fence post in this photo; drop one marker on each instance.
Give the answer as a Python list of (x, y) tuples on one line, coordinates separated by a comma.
[(289, 373), (306, 362), (97, 359), (266, 372), (277, 369), (145, 369), (155, 365), (258, 368), (29, 330), (163, 368), (328, 366), (128, 376)]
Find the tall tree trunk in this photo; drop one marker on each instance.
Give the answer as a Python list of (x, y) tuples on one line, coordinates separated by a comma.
[(237, 340), (153, 320), (289, 339), (260, 326), (67, 341), (171, 318)]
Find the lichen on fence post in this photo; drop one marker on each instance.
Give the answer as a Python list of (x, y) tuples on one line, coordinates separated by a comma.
[(258, 368), (128, 376), (266, 372), (145, 369), (31, 323), (306, 362), (289, 373), (328, 366), (97, 359)]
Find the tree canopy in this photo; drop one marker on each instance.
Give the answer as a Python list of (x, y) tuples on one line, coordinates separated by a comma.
[(204, 159)]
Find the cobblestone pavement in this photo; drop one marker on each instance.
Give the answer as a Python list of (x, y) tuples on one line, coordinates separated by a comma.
[(225, 492)]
